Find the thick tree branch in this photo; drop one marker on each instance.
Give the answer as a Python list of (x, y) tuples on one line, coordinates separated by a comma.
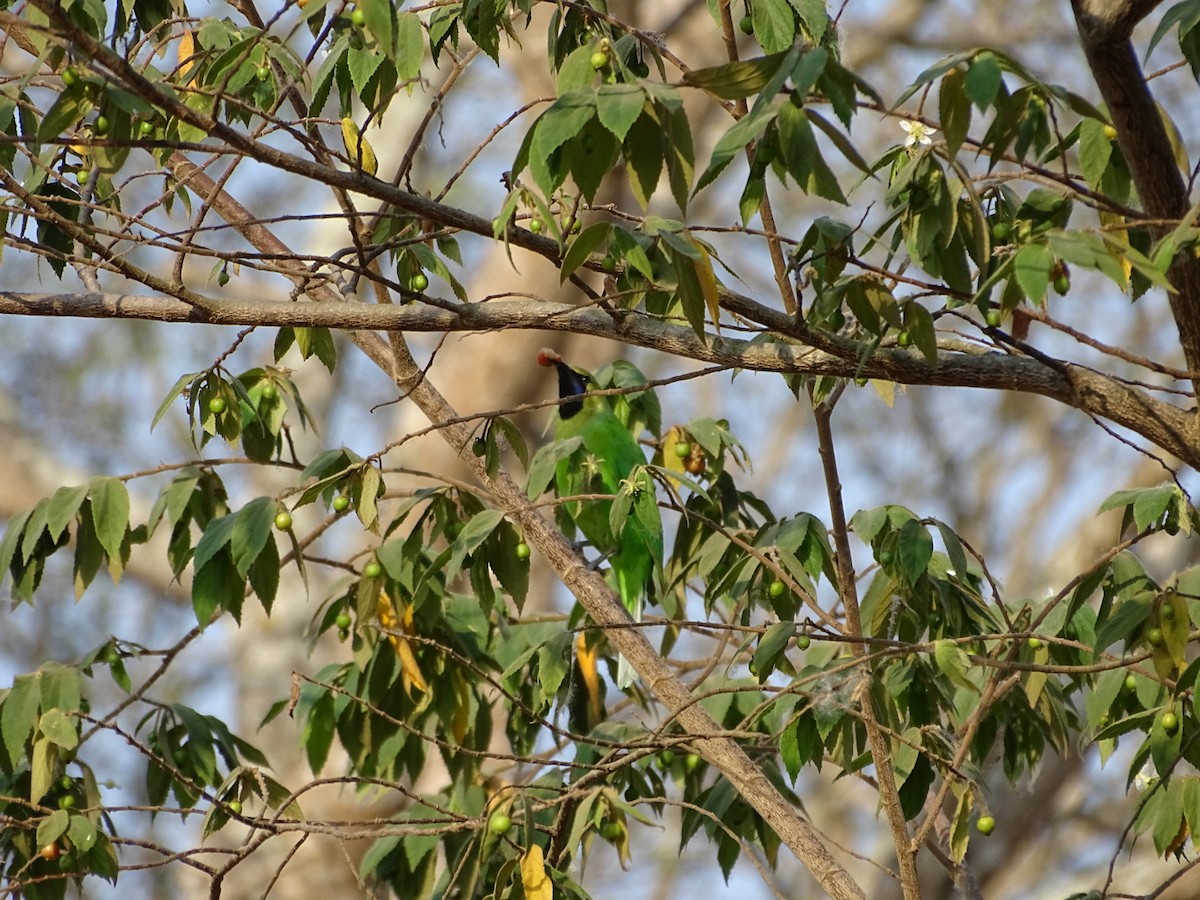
[(1168, 427), (1104, 29)]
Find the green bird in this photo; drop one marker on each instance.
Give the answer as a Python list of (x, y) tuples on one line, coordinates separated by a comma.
[(607, 463)]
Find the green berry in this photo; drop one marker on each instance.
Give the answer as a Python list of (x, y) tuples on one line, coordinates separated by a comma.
[(837, 319), (691, 762), (264, 72), (341, 503), (283, 521), (746, 24), (683, 449), (993, 318), (235, 807), (776, 589), (903, 339), (66, 801), (1154, 637), (1130, 682), (1034, 643), (81, 176), (666, 758), (499, 823), (269, 391), (419, 282), (1001, 231), (217, 405), (70, 76), (358, 18), (599, 60), (101, 125), (1170, 723), (1168, 612), (343, 634), (985, 825), (479, 446), (1062, 284), (343, 621), (804, 642), (886, 557), (535, 225), (523, 550), (146, 128), (372, 570), (1110, 132), (611, 831)]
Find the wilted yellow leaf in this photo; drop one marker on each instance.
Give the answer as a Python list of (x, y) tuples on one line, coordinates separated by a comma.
[(410, 672), (187, 52), (533, 875), (358, 148)]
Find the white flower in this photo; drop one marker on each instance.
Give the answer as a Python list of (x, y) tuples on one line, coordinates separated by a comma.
[(1145, 778), (918, 133)]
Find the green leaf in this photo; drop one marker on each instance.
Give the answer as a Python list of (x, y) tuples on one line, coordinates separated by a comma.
[(110, 513), (619, 106), (747, 129), (19, 713), (953, 663), (914, 549), (983, 79), (62, 508), (251, 531), (54, 826), (643, 151), (738, 80), (581, 248), (544, 463), (216, 535), (60, 728), (954, 109), (1032, 265), (217, 585), (319, 731), (473, 534), (563, 121), (770, 646), (774, 24)]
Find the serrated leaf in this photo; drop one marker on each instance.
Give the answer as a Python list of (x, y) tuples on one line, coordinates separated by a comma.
[(914, 549), (581, 248), (737, 80), (954, 109), (19, 713), (110, 513), (770, 646), (62, 508), (60, 728), (619, 106), (1032, 266), (251, 531)]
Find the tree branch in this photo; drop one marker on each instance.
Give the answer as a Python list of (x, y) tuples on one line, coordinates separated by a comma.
[(1175, 430), (1104, 29)]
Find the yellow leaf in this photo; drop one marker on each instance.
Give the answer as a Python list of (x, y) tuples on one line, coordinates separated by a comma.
[(187, 52), (585, 658), (708, 283), (533, 875), (358, 148), (410, 672)]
